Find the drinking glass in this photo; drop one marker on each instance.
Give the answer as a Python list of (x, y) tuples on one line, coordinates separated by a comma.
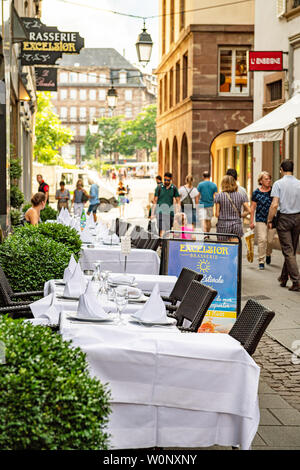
[(121, 300)]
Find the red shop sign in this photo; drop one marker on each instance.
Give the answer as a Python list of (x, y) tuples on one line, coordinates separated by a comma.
[(265, 61)]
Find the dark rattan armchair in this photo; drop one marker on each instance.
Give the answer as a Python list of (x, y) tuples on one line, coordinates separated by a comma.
[(193, 306), (251, 325), (7, 295), (17, 311), (182, 284)]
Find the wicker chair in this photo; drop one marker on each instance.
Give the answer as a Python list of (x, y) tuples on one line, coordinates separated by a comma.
[(135, 234), (7, 294), (144, 239), (194, 306), (251, 325), (182, 284), (153, 243), (17, 311)]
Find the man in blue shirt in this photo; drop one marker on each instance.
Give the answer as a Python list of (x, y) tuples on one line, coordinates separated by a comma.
[(94, 199), (286, 198), (207, 190)]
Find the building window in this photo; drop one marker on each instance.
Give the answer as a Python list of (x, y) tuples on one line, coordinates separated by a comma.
[(160, 96), (275, 90), (102, 78), (63, 113), (123, 78), (53, 95), (63, 77), (128, 95), (63, 94), (182, 14), (164, 10), (82, 95), (102, 112), (92, 95), (102, 95), (73, 94), (172, 21), (92, 77), (171, 88), (185, 76), (82, 131), (92, 113), (74, 130), (177, 95), (128, 112), (165, 92), (234, 75), (82, 150), (82, 114), (73, 113), (83, 78), (73, 77)]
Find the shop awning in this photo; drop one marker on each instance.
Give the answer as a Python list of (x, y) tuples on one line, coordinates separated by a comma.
[(272, 126)]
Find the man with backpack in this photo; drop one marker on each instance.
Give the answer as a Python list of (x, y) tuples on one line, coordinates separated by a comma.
[(189, 198), (166, 201)]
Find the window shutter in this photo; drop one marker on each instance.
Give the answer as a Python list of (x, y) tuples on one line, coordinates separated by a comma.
[(281, 8)]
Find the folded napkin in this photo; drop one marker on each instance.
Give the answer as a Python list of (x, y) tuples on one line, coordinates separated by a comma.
[(64, 217), (134, 292), (154, 309), (85, 235), (89, 306), (111, 239), (76, 285), (70, 269), (46, 308), (121, 279), (90, 221)]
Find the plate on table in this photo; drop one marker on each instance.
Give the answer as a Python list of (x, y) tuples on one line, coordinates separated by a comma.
[(168, 322), (89, 319), (139, 299), (59, 283)]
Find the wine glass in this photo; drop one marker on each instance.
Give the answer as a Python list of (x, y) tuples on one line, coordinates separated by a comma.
[(121, 300)]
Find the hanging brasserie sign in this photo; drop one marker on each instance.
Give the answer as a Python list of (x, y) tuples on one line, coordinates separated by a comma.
[(46, 44)]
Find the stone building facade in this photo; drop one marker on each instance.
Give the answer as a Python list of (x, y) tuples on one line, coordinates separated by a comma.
[(83, 83), (204, 88)]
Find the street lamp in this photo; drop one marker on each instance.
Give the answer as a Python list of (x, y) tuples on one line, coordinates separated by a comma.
[(144, 46), (93, 127), (112, 98)]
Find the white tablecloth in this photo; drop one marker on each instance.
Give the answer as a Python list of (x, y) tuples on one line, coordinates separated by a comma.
[(138, 261), (171, 388)]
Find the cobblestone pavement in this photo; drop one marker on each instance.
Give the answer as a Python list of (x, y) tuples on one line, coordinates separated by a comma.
[(278, 370)]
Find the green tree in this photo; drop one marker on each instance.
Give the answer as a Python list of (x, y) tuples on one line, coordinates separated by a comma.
[(141, 132), (107, 137), (49, 133)]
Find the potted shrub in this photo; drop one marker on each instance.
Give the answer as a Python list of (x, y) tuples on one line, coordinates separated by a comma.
[(48, 400)]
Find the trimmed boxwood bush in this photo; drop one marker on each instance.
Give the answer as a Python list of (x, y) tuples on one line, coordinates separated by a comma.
[(48, 400), (16, 197), (15, 216), (15, 169), (48, 214), (30, 261), (58, 232)]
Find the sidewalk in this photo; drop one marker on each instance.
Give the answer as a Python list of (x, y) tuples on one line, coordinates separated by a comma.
[(279, 391)]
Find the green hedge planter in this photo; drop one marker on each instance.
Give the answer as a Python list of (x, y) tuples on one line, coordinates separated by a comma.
[(48, 400)]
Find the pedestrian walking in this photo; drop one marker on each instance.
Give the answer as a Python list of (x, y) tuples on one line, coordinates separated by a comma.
[(206, 189), (233, 172), (122, 199), (80, 197), (166, 203), (158, 179), (231, 206), (189, 198), (286, 200), (94, 199), (62, 196), (260, 204), (43, 187)]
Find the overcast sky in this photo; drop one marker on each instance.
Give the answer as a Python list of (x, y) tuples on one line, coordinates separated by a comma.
[(101, 29)]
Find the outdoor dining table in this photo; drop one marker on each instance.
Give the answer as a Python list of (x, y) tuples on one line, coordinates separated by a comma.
[(138, 261), (171, 389)]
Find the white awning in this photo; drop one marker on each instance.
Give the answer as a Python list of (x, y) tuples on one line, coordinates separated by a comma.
[(272, 126)]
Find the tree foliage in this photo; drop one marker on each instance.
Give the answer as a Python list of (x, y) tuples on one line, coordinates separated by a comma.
[(49, 133)]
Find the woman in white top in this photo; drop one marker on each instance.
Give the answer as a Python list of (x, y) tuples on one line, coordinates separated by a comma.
[(189, 198)]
